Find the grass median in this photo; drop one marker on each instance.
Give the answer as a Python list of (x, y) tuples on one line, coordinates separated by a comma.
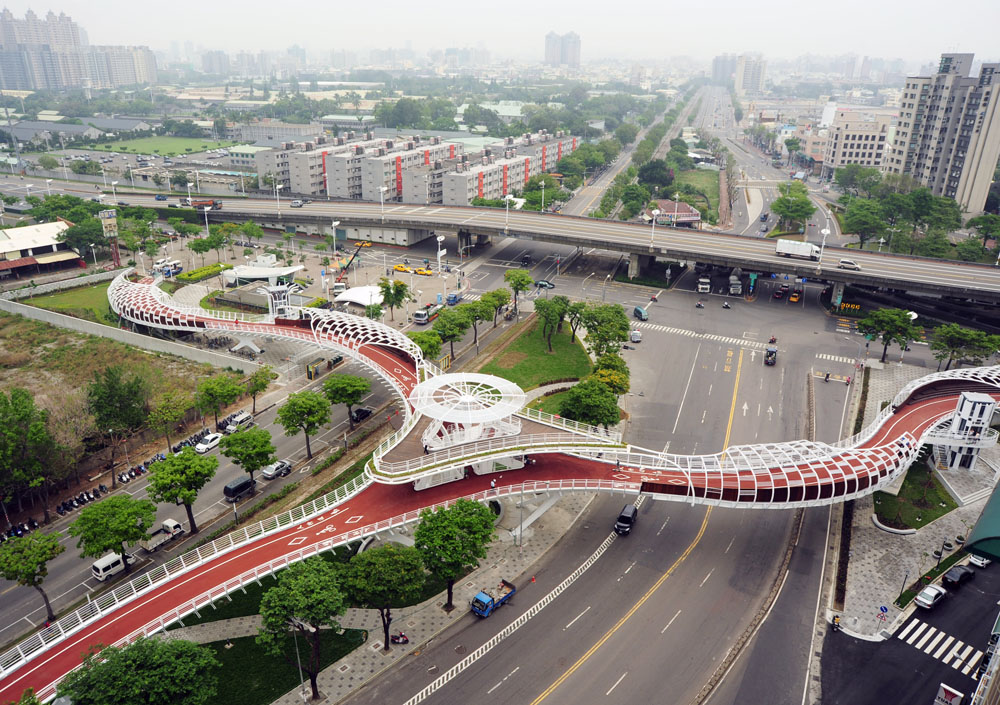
[(528, 363)]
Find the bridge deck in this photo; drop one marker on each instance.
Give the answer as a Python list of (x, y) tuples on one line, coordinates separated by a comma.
[(411, 446)]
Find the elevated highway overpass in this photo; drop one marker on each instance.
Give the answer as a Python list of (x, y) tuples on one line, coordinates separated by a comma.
[(407, 223)]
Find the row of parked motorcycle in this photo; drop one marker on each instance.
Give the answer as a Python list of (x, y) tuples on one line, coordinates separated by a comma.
[(126, 476), (192, 440), (64, 508), (17, 530)]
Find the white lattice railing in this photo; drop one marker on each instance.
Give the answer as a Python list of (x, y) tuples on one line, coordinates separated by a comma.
[(480, 450), (947, 437), (87, 614), (569, 424)]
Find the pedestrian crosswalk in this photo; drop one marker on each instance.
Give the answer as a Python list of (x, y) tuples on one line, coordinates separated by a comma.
[(471, 297), (939, 645), (702, 336), (836, 358)]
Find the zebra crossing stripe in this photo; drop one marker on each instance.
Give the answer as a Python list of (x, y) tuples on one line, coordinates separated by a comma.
[(945, 645), (951, 654), (911, 625), (930, 632), (933, 644), (972, 663), (917, 633), (959, 659)]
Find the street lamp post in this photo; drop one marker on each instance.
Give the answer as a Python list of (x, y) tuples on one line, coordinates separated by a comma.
[(584, 284), (93, 252), (104, 175), (206, 220), (48, 186), (652, 229), (114, 194), (189, 192), (131, 175), (27, 191), (277, 196), (604, 289), (881, 241), (543, 195), (381, 200), (824, 232), (677, 205), (427, 191), (444, 280), (506, 215)]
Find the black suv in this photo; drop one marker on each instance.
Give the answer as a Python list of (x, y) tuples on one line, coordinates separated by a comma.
[(958, 575), (359, 415)]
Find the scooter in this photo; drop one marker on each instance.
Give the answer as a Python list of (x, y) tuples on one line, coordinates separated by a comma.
[(773, 340), (835, 623), (699, 305), (725, 304), (400, 638), (827, 378)]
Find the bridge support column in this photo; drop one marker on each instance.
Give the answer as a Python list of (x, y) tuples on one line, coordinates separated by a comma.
[(637, 263), (837, 294)]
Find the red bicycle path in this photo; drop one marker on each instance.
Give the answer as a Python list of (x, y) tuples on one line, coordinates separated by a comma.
[(380, 502)]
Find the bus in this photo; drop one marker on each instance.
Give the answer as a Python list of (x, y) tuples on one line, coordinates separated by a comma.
[(427, 314)]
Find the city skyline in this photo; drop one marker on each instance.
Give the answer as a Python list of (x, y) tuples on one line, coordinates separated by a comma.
[(766, 29)]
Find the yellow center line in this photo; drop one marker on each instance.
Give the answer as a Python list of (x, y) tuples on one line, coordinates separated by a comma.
[(649, 593), (621, 622)]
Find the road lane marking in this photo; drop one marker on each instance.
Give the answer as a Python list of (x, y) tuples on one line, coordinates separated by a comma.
[(576, 618), (707, 577), (670, 622), (933, 644), (731, 542), (663, 526), (945, 645), (959, 659), (616, 683), (628, 615), (503, 680), (972, 662), (917, 633), (928, 635), (686, 387)]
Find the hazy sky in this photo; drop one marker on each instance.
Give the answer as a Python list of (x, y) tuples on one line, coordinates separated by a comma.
[(915, 30)]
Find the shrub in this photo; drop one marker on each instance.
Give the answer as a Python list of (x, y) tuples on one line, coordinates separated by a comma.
[(196, 275)]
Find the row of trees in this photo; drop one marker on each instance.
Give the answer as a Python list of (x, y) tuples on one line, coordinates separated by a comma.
[(793, 205), (948, 342), (307, 597), (907, 215)]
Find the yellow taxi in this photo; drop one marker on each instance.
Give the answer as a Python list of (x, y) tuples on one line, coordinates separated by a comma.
[(401, 268), (362, 243), (424, 272)]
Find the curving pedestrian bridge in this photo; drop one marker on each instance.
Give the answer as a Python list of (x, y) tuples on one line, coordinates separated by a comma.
[(457, 430)]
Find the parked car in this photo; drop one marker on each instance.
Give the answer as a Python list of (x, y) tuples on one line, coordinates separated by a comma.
[(978, 561), (359, 415), (278, 469), (957, 575), (779, 294), (930, 596), (208, 442), (544, 284)]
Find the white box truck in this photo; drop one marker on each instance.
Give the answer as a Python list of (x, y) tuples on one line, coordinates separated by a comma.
[(704, 285), (791, 248)]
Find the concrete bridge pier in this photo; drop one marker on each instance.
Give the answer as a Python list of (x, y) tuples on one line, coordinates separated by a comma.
[(637, 263), (837, 293)]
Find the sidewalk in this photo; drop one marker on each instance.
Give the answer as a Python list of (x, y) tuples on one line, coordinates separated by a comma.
[(421, 623), (881, 562)]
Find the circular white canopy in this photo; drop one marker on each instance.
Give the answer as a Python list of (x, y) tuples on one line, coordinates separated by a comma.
[(467, 398)]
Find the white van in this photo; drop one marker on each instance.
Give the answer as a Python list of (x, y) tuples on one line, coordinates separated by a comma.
[(110, 564), (160, 262), (240, 422)]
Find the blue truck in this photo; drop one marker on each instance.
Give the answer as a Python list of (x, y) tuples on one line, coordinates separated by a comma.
[(453, 298), (486, 601)]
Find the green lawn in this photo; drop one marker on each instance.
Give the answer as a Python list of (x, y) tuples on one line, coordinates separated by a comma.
[(528, 363), (87, 302), (551, 403), (921, 500), (705, 181), (251, 676), (166, 146)]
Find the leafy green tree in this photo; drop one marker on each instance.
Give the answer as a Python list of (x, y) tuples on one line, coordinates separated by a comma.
[(452, 541), (200, 246), (547, 311), (451, 325), (250, 449), (382, 577), (864, 218), (168, 410), (252, 231), (626, 133), (794, 204), (616, 381), (394, 294), (304, 411), (28, 697), (655, 172), (891, 325), (950, 341), (476, 312), (307, 596), (111, 524), (792, 144), (180, 477), (118, 402), (612, 361), (934, 244), (428, 341), (607, 328), (858, 179), (575, 314), (346, 389), (591, 402), (496, 299), (518, 280), (987, 225), (148, 671), (27, 446), (216, 392), (48, 162), (25, 562), (258, 383), (970, 250), (374, 311)]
